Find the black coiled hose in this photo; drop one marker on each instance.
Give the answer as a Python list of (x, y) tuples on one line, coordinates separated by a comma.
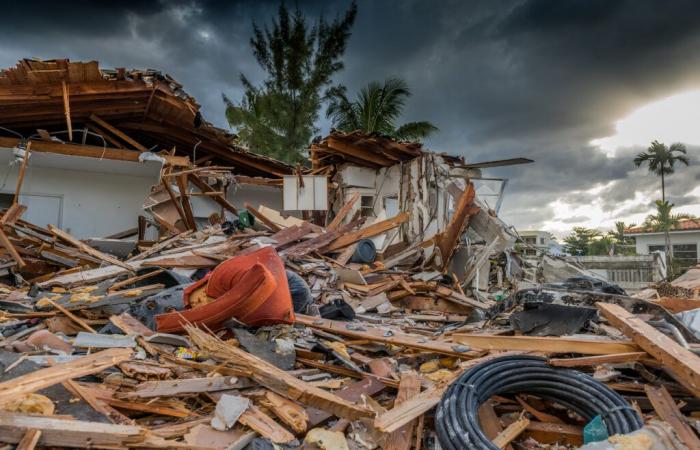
[(457, 420)]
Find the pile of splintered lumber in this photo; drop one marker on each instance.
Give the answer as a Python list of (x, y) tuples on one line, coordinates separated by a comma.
[(79, 370)]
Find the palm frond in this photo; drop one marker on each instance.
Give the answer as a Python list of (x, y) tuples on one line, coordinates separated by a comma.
[(414, 131)]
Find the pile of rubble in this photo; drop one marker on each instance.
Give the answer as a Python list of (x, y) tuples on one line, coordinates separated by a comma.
[(130, 352), (399, 319)]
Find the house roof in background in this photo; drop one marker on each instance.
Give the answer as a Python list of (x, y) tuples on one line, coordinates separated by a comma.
[(148, 107), (684, 225)]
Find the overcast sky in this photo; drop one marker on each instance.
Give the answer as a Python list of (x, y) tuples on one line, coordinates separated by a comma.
[(540, 79)]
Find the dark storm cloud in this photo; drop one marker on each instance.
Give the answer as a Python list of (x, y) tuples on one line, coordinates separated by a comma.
[(499, 78)]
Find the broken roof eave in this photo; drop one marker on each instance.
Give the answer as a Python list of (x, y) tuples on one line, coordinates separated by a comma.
[(59, 95)]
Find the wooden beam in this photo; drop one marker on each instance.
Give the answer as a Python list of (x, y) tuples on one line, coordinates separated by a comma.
[(83, 247), (369, 231), (262, 218), (360, 153), (380, 335), (106, 136), (66, 108), (43, 378), (186, 205), (409, 386), (681, 363), (204, 187), (587, 361), (71, 316), (446, 241), (95, 118), (7, 244), (29, 441), (20, 176), (545, 344), (511, 432), (174, 200), (70, 433), (91, 151), (275, 379), (344, 211), (668, 411)]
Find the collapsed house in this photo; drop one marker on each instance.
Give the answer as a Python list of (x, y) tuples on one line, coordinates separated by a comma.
[(386, 313), (96, 134)]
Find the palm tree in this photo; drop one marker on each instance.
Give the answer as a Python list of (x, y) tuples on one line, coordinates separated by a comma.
[(664, 219), (376, 110), (660, 160), (619, 239)]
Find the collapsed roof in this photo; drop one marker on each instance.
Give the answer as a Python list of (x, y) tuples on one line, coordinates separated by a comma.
[(54, 101)]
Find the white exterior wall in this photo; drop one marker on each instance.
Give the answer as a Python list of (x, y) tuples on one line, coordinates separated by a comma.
[(270, 196), (87, 197), (416, 189), (643, 241)]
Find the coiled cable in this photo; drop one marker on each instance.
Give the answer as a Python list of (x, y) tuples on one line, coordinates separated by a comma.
[(457, 420)]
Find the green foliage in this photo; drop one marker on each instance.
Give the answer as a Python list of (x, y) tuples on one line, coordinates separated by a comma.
[(376, 109), (664, 219), (624, 245), (277, 118), (661, 159), (600, 246), (579, 241)]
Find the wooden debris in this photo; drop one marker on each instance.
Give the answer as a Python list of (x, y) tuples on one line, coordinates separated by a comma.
[(42, 378), (682, 364)]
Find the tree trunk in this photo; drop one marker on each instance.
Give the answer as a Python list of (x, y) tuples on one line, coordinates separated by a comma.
[(667, 235)]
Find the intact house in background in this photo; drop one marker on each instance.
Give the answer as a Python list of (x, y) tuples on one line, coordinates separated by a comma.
[(538, 242), (99, 139), (685, 239)]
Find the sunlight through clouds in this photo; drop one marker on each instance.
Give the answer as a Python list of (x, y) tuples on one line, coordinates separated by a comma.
[(673, 119)]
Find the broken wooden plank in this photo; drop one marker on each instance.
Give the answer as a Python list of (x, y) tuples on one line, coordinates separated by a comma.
[(275, 379), (546, 344), (368, 231), (66, 108), (123, 136), (683, 365), (185, 202), (30, 440), (261, 217), (382, 335), (168, 388), (446, 241), (554, 433), (204, 187), (254, 418), (71, 316), (409, 386), (288, 412), (344, 211), (586, 361), (83, 247), (7, 244), (69, 433), (58, 373), (351, 393), (22, 170), (668, 411), (175, 202), (511, 432)]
